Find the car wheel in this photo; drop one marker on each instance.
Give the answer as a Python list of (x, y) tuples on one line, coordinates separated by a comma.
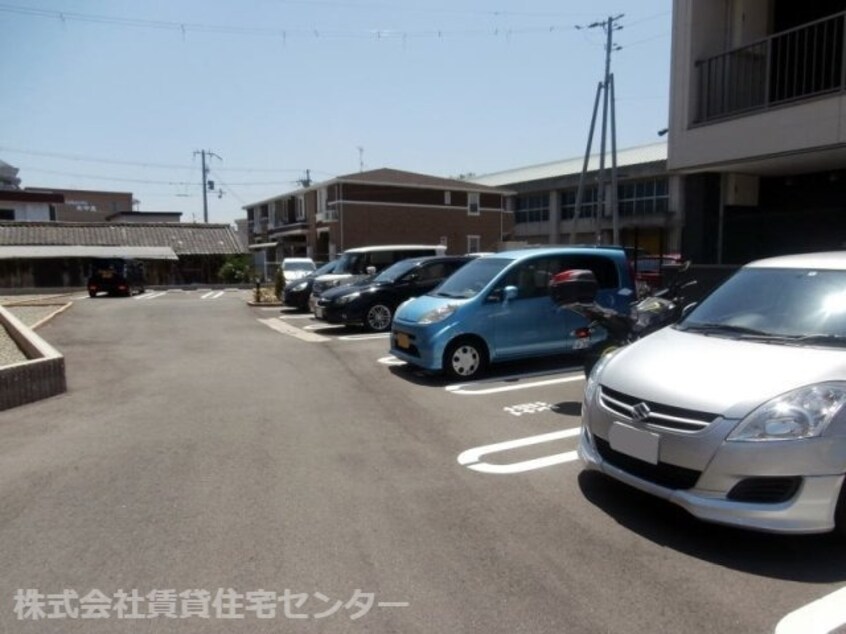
[(378, 318), (465, 359), (840, 512), (92, 293)]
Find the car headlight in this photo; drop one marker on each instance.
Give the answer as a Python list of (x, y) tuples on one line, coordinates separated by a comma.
[(439, 314), (593, 379), (346, 299), (300, 287), (802, 413)]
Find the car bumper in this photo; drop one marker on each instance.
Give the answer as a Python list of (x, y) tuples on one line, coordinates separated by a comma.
[(809, 510), (425, 345)]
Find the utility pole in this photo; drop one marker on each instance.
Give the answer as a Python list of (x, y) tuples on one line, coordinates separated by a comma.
[(205, 179), (605, 89)]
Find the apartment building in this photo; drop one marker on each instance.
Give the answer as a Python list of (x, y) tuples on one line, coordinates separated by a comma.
[(645, 212), (758, 126), (383, 206)]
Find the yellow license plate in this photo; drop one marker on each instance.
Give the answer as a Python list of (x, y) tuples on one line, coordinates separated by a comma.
[(403, 340)]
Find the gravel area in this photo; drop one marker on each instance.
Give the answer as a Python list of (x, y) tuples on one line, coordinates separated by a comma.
[(33, 309)]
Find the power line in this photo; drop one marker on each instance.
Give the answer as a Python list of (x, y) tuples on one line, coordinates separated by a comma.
[(286, 33)]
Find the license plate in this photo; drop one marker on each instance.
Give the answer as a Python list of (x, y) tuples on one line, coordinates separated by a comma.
[(403, 341), (633, 442), (581, 344)]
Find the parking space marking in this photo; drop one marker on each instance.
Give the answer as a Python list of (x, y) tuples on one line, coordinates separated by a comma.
[(323, 326), (286, 329), (472, 457), (528, 408), (391, 360), (212, 295), (150, 295), (518, 383), (380, 335), (293, 316), (818, 617)]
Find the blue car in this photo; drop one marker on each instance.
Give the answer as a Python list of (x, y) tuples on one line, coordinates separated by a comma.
[(498, 308)]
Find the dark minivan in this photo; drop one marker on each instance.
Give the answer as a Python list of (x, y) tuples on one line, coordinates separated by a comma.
[(116, 276)]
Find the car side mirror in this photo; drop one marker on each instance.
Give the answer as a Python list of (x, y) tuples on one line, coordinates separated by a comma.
[(510, 293)]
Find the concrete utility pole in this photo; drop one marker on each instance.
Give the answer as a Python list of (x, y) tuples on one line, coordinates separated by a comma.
[(205, 180), (606, 90)]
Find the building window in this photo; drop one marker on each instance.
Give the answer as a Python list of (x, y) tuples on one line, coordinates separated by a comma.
[(532, 208), (474, 244), (473, 203), (568, 203), (643, 197), (7, 214), (447, 198)]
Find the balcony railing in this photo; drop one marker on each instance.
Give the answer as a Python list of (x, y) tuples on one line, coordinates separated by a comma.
[(792, 65), (327, 215)]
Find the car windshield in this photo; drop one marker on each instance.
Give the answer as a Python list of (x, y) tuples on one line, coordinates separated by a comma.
[(327, 268), (776, 305), (351, 264), (298, 266), (395, 271), (471, 278)]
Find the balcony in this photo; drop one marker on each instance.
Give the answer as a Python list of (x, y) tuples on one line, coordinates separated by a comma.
[(327, 215), (790, 66)]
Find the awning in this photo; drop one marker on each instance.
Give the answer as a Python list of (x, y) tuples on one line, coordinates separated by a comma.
[(261, 245), (76, 251)]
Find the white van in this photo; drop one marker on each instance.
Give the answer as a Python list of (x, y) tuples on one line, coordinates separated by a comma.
[(362, 262)]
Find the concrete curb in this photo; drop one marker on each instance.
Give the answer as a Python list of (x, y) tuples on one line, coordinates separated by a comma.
[(41, 376)]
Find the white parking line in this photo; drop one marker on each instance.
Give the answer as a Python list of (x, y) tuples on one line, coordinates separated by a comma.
[(150, 295), (391, 360), (293, 316), (323, 326), (207, 295), (80, 297), (819, 617), (518, 382), (381, 335), (212, 295), (286, 329), (472, 457)]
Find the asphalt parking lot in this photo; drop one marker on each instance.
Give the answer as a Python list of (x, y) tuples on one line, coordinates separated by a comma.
[(251, 457)]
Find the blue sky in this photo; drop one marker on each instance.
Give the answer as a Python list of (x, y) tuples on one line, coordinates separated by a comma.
[(119, 94)]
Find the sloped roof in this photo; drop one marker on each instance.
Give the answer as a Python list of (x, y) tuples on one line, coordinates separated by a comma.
[(184, 239), (387, 176), (652, 153)]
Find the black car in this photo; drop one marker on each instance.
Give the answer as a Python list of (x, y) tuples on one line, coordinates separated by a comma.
[(116, 276), (372, 303), (296, 293)]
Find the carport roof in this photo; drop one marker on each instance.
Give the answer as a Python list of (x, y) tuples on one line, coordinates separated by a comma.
[(62, 251), (182, 238)]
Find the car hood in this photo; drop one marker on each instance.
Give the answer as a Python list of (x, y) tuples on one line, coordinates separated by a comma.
[(716, 374), (413, 310)]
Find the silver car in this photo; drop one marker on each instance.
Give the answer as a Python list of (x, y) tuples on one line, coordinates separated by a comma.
[(738, 412)]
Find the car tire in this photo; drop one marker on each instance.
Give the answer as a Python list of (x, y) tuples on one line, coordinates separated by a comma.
[(378, 318), (840, 513), (92, 293), (465, 358)]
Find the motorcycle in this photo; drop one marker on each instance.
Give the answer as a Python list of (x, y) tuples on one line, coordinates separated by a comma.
[(576, 290)]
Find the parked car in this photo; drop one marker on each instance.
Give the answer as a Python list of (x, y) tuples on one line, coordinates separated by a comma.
[(297, 268), (372, 303), (116, 276), (738, 412), (362, 262), (296, 293), (498, 307)]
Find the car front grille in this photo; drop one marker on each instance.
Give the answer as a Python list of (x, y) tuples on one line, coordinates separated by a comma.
[(655, 415), (663, 474)]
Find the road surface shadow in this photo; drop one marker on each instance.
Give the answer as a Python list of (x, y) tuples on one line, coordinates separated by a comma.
[(804, 558)]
